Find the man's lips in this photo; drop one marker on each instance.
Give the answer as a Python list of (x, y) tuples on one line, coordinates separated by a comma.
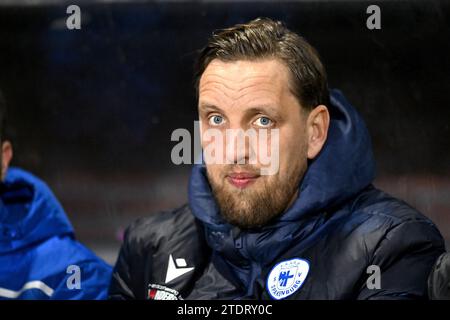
[(242, 179)]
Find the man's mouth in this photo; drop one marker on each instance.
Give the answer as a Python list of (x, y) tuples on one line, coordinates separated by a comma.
[(242, 179)]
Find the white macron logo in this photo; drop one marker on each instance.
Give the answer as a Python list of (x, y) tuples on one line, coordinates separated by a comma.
[(176, 269)]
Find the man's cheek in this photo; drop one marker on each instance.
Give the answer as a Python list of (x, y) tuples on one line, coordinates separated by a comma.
[(287, 160), (216, 172), (269, 152)]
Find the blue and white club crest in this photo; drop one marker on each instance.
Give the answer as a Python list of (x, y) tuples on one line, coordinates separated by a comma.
[(286, 278)]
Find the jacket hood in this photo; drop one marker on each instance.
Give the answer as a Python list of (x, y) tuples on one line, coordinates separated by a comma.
[(342, 169), (29, 212)]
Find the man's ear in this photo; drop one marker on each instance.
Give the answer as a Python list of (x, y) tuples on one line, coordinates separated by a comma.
[(317, 129), (7, 154)]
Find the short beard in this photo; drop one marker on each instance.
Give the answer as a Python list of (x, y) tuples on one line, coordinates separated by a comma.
[(251, 208)]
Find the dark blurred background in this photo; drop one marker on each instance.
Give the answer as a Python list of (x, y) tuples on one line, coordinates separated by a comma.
[(92, 110)]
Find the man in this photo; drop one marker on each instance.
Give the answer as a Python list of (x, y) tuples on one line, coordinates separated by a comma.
[(39, 256), (316, 228)]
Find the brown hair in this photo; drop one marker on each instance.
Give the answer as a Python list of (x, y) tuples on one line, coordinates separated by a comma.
[(264, 38)]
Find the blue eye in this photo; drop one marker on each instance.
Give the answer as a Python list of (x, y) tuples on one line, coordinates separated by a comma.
[(263, 122), (215, 120)]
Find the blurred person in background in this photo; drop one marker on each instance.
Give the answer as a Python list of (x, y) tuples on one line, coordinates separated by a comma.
[(39, 255)]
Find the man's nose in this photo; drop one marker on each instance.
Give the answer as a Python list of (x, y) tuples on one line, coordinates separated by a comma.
[(238, 146)]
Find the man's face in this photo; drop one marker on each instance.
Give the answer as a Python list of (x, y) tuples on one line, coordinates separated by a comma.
[(253, 95)]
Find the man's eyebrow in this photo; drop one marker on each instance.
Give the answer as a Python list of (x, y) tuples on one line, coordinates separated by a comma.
[(208, 106), (263, 109)]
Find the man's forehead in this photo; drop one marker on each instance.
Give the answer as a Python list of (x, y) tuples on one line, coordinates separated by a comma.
[(243, 72), (243, 81)]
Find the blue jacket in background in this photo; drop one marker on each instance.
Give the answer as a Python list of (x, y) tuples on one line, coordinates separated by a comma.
[(39, 256)]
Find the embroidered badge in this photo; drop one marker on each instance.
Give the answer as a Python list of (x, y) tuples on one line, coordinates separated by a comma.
[(286, 278)]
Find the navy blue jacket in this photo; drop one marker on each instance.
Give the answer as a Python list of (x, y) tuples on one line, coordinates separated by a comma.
[(39, 256), (341, 239)]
